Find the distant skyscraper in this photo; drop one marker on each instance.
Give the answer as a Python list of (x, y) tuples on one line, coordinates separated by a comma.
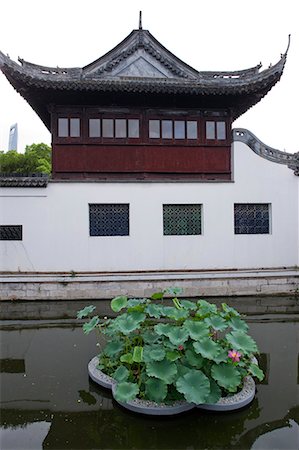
[(13, 137)]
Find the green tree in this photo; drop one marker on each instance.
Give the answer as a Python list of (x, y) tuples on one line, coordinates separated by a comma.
[(36, 159)]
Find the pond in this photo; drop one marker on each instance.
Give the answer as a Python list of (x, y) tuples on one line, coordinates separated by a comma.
[(49, 402)]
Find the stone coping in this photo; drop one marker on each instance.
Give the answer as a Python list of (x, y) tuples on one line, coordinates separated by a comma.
[(41, 277)]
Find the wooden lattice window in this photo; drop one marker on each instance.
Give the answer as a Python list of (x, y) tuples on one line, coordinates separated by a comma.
[(252, 218), (182, 219), (11, 232), (109, 219)]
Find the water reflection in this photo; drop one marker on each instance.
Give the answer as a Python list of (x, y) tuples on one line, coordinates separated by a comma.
[(48, 400)]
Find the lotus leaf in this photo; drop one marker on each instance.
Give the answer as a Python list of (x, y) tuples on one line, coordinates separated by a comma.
[(137, 354), (132, 302), (153, 310), (127, 358), (173, 313), (241, 341), (163, 328), (89, 326), (113, 348), (221, 357), (256, 372), (196, 330), (182, 369), (227, 376), (157, 295), (216, 322), (118, 303), (164, 370), (174, 291), (178, 335), (125, 391), (85, 311), (238, 324), (188, 305), (121, 374), (150, 337), (173, 356), (229, 311), (215, 393), (195, 386), (205, 308), (153, 353), (194, 359), (129, 322), (207, 348), (155, 389)]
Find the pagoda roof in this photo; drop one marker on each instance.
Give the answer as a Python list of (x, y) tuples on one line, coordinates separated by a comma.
[(136, 66)]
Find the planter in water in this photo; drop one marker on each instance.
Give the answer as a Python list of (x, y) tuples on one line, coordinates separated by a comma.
[(163, 359), (229, 403)]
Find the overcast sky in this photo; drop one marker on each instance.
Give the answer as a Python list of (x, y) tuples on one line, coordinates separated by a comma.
[(207, 35)]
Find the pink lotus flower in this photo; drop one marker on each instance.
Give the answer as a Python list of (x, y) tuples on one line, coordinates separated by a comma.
[(180, 347), (234, 355)]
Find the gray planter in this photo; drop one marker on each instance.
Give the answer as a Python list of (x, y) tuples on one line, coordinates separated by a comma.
[(154, 409), (231, 403), (98, 376)]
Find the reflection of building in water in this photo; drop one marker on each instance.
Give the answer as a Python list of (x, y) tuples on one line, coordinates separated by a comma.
[(13, 137), (69, 407)]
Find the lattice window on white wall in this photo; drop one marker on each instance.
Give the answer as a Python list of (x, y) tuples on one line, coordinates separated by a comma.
[(183, 219), (108, 219)]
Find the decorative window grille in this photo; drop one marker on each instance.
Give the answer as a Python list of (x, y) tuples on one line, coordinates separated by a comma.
[(252, 218), (109, 219), (182, 219), (11, 233)]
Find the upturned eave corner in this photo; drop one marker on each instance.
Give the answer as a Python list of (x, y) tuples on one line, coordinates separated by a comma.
[(291, 160)]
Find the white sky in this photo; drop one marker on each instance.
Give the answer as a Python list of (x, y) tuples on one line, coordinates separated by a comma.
[(207, 35)]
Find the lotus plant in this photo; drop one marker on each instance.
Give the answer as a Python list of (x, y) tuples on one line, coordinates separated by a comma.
[(163, 352)]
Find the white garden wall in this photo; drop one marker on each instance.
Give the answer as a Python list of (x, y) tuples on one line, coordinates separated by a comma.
[(56, 224)]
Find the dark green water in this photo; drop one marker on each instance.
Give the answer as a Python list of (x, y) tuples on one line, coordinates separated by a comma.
[(48, 401)]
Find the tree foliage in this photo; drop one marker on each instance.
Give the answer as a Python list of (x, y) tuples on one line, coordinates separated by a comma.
[(36, 159)]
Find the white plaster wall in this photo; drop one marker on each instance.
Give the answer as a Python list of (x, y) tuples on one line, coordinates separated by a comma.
[(56, 223)]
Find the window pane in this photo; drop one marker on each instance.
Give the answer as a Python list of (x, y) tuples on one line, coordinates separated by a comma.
[(63, 127), (74, 127), (210, 130), (221, 133), (120, 128), (109, 219), (11, 232), (154, 129), (252, 218), (179, 129), (94, 128), (167, 129), (182, 219), (191, 129), (133, 125), (107, 128)]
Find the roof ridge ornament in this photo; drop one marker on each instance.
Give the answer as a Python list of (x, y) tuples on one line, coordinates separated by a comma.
[(289, 43), (140, 20)]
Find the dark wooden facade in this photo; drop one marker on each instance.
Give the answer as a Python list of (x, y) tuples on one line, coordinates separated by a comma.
[(142, 157)]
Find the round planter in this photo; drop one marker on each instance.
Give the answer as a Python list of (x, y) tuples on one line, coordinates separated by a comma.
[(98, 376), (233, 402), (154, 409)]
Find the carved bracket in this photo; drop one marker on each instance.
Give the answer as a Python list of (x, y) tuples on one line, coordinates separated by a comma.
[(265, 151)]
